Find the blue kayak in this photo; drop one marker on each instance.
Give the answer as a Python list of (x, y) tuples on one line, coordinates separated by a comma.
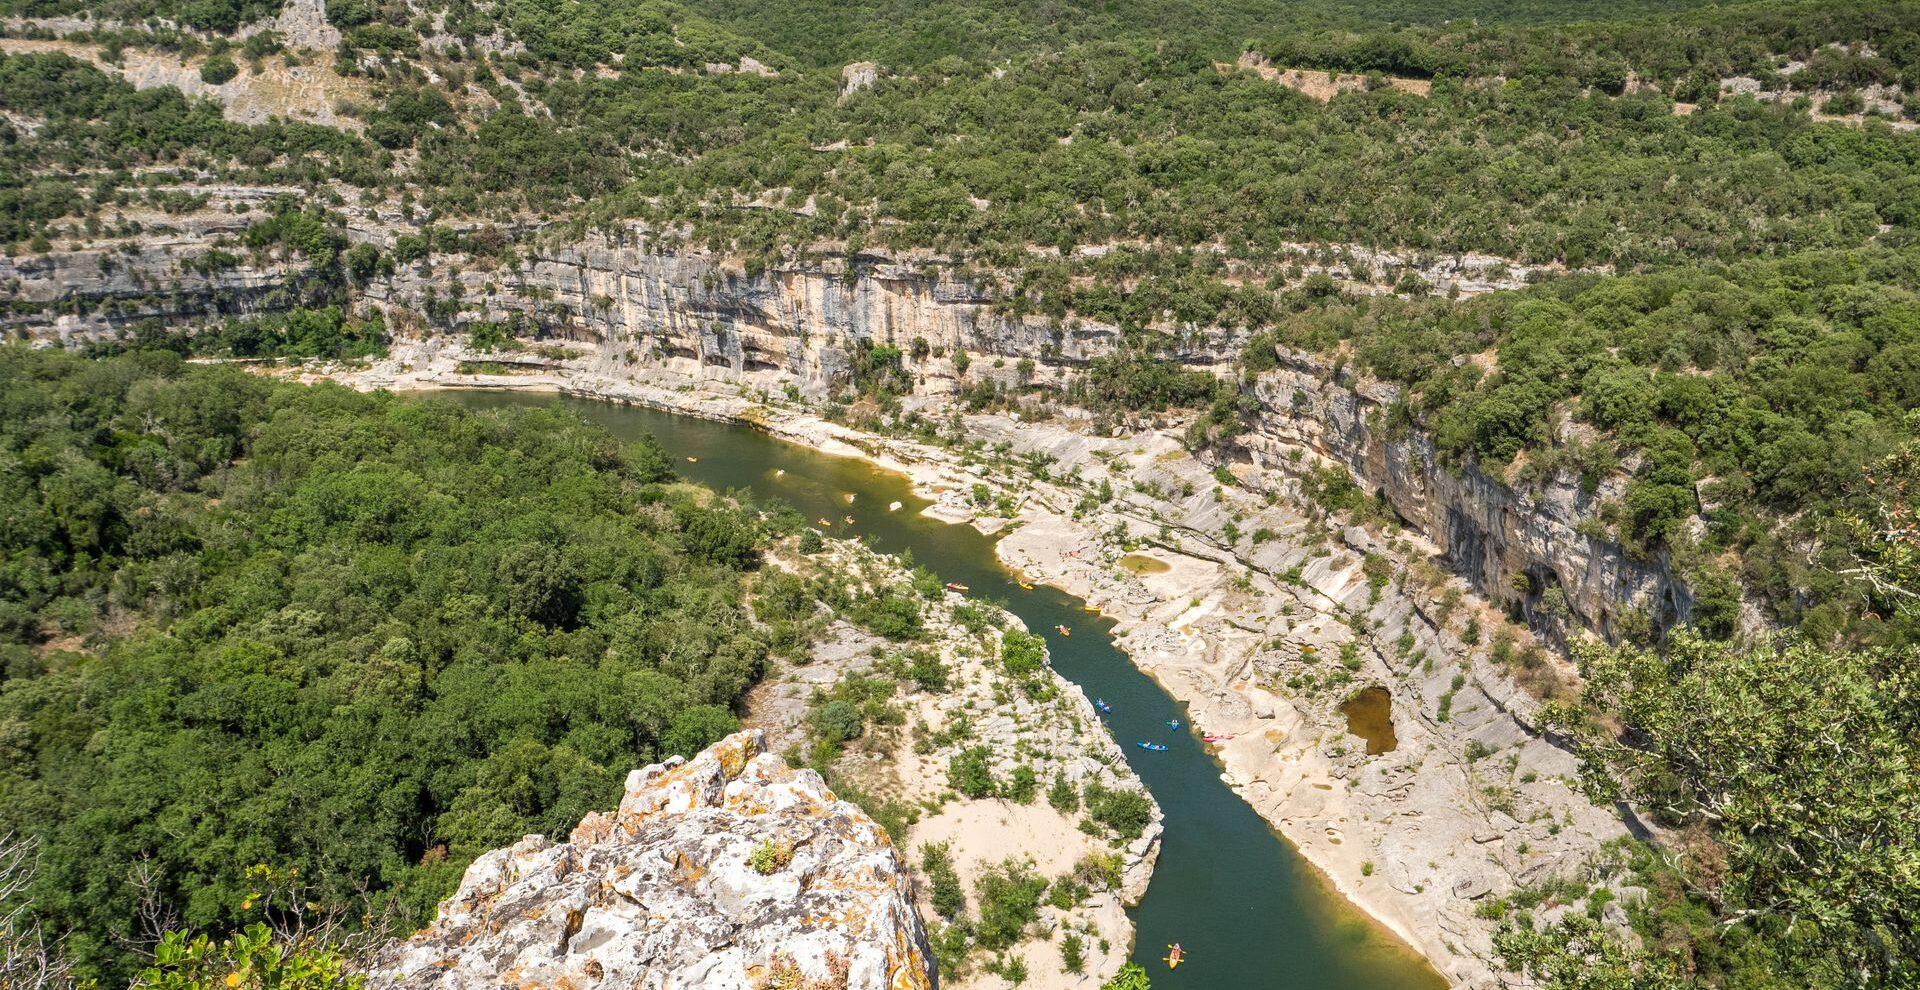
[(1101, 703), (1173, 724), (1156, 747)]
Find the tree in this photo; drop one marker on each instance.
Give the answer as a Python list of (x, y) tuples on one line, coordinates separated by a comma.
[(218, 69), (1802, 763), (27, 960), (1886, 536)]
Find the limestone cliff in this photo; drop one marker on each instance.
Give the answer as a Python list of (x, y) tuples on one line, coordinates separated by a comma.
[(728, 871), (1513, 544), (636, 310)]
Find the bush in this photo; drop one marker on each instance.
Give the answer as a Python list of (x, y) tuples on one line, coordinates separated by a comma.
[(1072, 956), (1022, 787), (1130, 977), (1063, 795), (837, 721), (1127, 812), (971, 772), (1009, 898), (770, 857), (218, 69), (1022, 654), (945, 892), (200, 963), (890, 614)]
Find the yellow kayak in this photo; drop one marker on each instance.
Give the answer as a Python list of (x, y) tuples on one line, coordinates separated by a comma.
[(1175, 956), (1064, 631), (1026, 585), (824, 521)]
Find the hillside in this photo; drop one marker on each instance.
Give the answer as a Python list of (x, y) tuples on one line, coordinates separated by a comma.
[(1616, 306)]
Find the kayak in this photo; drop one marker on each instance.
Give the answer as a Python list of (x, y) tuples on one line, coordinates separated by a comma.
[(1101, 703), (1090, 608), (1174, 724), (955, 586), (824, 521), (693, 460), (1175, 956), (1026, 585), (1156, 747), (1064, 631), (1215, 739)]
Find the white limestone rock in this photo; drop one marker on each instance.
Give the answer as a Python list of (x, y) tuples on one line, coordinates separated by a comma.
[(664, 893)]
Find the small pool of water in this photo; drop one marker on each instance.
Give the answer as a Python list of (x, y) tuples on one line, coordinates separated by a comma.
[(1140, 563), (1370, 716)]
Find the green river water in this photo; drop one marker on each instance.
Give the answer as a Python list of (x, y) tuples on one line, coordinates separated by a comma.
[(1248, 909)]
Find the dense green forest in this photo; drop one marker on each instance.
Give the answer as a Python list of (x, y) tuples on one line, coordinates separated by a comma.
[(360, 636)]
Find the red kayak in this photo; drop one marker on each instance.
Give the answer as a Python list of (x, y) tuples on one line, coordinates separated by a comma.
[(1214, 739)]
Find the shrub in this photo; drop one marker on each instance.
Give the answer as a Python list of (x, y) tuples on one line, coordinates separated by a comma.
[(1021, 788), (1072, 958), (770, 857), (1022, 654), (218, 69), (971, 772), (837, 721), (944, 884), (1127, 812), (1063, 795), (1009, 898)]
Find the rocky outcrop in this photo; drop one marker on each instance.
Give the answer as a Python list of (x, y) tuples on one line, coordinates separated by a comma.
[(729, 871)]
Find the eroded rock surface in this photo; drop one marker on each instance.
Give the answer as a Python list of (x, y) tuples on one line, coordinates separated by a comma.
[(729, 870)]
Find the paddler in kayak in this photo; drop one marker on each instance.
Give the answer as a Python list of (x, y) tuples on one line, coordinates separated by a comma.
[(1175, 956)]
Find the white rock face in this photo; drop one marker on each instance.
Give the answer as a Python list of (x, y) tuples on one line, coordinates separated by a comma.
[(663, 893)]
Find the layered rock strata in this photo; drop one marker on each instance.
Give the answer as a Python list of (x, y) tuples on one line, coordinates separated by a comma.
[(629, 309)]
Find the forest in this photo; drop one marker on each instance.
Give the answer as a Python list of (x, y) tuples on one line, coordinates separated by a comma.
[(361, 637)]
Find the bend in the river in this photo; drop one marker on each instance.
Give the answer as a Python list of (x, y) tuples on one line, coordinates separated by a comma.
[(1248, 909)]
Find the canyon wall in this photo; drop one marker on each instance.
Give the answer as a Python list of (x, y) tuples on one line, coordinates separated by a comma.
[(626, 306), (1517, 546)]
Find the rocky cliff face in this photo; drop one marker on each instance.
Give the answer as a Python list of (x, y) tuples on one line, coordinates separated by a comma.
[(638, 309), (728, 871), (1515, 546)]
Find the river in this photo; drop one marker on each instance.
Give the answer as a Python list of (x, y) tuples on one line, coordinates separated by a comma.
[(1248, 909)]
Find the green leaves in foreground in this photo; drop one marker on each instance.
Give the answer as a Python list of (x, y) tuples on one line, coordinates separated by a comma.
[(1794, 772), (250, 960)]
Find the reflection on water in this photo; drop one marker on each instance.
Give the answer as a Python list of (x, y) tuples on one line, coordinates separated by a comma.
[(1249, 910), (1370, 716)]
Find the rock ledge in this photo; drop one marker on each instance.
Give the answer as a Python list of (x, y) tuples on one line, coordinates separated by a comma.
[(664, 893)]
